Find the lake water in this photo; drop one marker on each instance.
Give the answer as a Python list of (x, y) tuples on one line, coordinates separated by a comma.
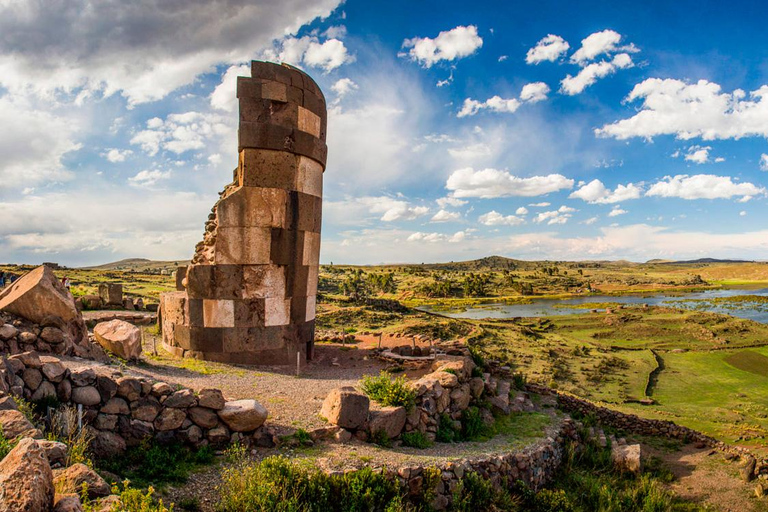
[(546, 307)]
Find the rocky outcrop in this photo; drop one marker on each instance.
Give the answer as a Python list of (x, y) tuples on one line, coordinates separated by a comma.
[(14, 424), (119, 337), (41, 298), (26, 479), (389, 420)]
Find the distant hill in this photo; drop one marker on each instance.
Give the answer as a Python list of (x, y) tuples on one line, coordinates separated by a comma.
[(140, 265), (703, 260)]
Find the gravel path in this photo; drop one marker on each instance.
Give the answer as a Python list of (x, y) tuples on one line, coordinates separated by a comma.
[(293, 402)]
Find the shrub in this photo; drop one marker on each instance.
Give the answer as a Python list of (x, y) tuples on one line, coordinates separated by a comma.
[(389, 391), (519, 380), (475, 493), (152, 463), (472, 425), (381, 438), (276, 484), (64, 428), (415, 439), (131, 500), (446, 430)]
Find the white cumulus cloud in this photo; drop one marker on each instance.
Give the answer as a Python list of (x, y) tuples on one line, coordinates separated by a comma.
[(596, 192), (490, 183), (449, 45), (494, 218), (572, 85), (704, 186), (675, 107), (445, 216), (548, 49), (600, 43), (531, 93)]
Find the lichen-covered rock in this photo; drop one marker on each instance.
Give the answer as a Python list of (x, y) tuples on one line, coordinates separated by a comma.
[(119, 337), (243, 415), (71, 480), (54, 371), (129, 388), (107, 444), (346, 407), (390, 420), (26, 480)]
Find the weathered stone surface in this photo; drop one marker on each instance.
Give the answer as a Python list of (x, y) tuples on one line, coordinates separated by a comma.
[(146, 409), (627, 457), (211, 398), (40, 294), (129, 388), (7, 331), (67, 503), (82, 377), (55, 451), (26, 479), (29, 359), (71, 480), (181, 399), (243, 415), (119, 337), (346, 407), (107, 444), (116, 406), (389, 420), (86, 395), (170, 419), (54, 371), (45, 390), (53, 335), (111, 294), (203, 416), (32, 377), (15, 424)]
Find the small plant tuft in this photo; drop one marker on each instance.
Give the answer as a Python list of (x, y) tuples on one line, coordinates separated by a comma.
[(415, 439), (389, 391)]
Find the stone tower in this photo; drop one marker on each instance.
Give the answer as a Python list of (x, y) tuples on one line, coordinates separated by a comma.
[(249, 295)]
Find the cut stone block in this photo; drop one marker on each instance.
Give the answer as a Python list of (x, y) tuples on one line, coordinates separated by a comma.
[(309, 121), (218, 313), (277, 311), (243, 246)]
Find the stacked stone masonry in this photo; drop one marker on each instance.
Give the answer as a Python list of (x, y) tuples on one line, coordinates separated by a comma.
[(249, 295), (122, 411)]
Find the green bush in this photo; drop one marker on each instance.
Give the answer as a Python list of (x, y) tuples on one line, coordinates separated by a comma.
[(131, 500), (475, 493), (446, 430), (154, 464), (276, 484), (472, 426), (415, 439), (381, 438), (389, 391)]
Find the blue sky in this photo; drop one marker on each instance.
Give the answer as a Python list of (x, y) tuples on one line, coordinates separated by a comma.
[(560, 130)]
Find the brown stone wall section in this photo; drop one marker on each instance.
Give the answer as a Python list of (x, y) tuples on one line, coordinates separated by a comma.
[(249, 295)]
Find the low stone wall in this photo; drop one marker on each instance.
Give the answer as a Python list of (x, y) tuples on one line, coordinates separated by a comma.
[(122, 411), (535, 466), (634, 424)]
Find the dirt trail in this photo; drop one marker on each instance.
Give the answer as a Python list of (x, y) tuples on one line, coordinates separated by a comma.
[(707, 478)]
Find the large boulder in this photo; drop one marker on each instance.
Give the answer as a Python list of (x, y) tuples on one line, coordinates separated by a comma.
[(627, 457), (14, 424), (243, 415), (40, 297), (119, 337), (70, 481), (26, 479), (346, 407), (390, 420)]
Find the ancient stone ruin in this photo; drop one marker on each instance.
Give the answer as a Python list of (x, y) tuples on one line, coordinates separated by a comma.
[(249, 294)]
